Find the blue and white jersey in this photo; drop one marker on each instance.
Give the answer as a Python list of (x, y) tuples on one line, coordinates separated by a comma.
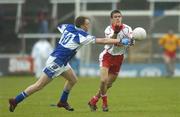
[(71, 40)]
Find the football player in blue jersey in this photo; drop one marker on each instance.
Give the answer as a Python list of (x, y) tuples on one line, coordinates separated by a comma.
[(72, 39)]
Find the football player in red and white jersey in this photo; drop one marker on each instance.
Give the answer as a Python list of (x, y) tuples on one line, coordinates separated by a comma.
[(111, 58)]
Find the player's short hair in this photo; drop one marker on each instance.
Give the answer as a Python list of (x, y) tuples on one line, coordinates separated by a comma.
[(80, 21), (115, 11)]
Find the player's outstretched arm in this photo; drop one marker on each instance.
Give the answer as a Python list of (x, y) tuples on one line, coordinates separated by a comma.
[(107, 41), (124, 41)]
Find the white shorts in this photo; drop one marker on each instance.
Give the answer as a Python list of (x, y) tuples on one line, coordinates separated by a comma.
[(52, 69)]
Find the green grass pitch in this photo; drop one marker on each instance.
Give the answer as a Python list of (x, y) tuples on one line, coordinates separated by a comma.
[(129, 97)]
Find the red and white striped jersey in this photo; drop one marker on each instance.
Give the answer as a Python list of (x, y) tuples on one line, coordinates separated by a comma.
[(126, 31)]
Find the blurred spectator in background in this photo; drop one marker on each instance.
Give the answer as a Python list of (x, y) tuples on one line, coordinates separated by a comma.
[(42, 21), (169, 42), (42, 48), (40, 52)]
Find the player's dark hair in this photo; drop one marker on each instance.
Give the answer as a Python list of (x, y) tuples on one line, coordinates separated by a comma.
[(115, 11), (80, 21)]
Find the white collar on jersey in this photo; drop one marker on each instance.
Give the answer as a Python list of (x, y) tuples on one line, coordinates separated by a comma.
[(80, 29)]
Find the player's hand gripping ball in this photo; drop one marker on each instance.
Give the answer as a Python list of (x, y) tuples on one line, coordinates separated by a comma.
[(125, 41), (139, 33)]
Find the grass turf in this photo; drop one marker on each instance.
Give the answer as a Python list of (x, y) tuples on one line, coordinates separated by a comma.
[(130, 97)]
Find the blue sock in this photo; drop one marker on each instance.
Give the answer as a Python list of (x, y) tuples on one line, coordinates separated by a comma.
[(20, 97), (64, 96)]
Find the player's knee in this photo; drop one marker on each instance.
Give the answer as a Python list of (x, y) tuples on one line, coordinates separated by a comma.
[(73, 81), (104, 80), (109, 85)]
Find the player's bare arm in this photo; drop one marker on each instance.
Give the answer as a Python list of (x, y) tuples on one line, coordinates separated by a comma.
[(107, 41)]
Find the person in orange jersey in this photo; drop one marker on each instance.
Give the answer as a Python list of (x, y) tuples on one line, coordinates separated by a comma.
[(170, 43)]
